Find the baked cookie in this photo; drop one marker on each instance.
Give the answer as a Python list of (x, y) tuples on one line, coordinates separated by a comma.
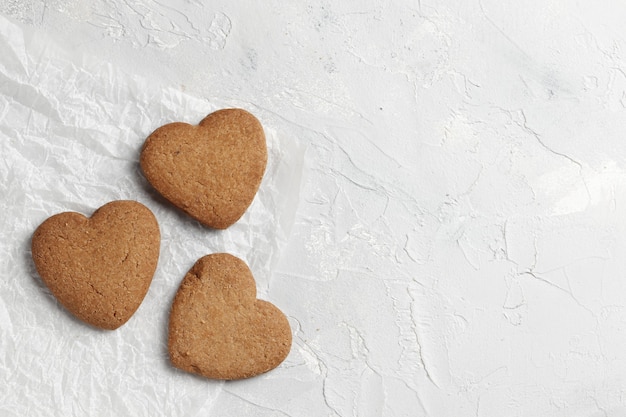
[(99, 268), (211, 171), (218, 329)]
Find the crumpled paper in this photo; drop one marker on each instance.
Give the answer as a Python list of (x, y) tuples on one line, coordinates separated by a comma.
[(71, 129)]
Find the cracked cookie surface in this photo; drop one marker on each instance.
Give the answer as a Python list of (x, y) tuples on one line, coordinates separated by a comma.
[(100, 267)]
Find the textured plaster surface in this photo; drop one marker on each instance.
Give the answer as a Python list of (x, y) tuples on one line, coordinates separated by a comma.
[(443, 219)]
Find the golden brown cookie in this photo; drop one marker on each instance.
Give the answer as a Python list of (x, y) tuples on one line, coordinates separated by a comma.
[(211, 171), (218, 329), (100, 267)]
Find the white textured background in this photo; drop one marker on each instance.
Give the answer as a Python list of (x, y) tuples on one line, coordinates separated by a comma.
[(448, 200)]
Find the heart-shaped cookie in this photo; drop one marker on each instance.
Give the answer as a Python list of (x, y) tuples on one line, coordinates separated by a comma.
[(218, 329), (211, 171), (99, 268)]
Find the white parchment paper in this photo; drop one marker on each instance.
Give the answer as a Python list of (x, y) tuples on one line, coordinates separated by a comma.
[(71, 129)]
